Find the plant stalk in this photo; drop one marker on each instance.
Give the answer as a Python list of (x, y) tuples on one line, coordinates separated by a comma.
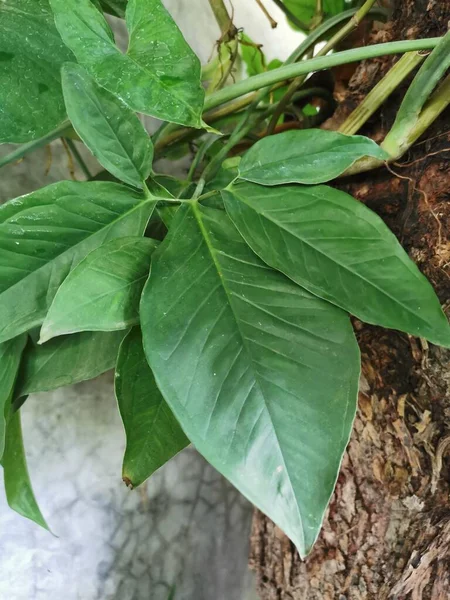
[(431, 111), (320, 63), (224, 21), (278, 76), (72, 146), (434, 107), (410, 111), (380, 92), (340, 35), (268, 78)]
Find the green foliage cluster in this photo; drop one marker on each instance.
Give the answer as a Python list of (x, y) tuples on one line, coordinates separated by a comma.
[(225, 306)]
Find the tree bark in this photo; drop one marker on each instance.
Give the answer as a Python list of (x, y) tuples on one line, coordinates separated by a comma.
[(387, 531)]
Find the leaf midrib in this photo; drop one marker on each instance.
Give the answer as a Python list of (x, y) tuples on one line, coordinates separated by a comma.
[(228, 294), (96, 104)]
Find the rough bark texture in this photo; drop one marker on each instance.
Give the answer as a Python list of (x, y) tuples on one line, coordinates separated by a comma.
[(387, 533)]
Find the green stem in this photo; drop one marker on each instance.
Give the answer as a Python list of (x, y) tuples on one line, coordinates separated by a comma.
[(340, 35), (434, 107), (200, 156), (380, 92), (318, 15), (290, 15), (430, 73), (25, 149), (227, 29), (320, 63), (71, 144), (431, 111), (307, 46)]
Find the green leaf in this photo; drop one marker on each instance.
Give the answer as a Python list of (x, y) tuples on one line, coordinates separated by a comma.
[(339, 250), (31, 54), (305, 9), (111, 131), (253, 56), (19, 492), (159, 75), (308, 156), (67, 360), (153, 434), (102, 293), (10, 354), (45, 234), (261, 375)]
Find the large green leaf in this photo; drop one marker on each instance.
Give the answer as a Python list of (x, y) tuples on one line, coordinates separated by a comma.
[(19, 492), (261, 375), (111, 130), (305, 9), (153, 434), (66, 360), (31, 54), (45, 234), (10, 354), (308, 156), (102, 293), (340, 250), (159, 75)]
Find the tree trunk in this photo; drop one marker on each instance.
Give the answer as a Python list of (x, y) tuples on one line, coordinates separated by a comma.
[(387, 531)]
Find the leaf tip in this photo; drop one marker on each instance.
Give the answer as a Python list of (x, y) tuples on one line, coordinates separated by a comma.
[(44, 336), (127, 481)]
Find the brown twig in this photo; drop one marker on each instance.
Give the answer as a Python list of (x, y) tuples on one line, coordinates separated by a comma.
[(272, 21)]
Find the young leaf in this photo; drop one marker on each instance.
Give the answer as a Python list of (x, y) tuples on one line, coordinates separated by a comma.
[(19, 492), (10, 353), (45, 234), (339, 250), (111, 131), (308, 156), (31, 55), (67, 360), (153, 434), (102, 293), (261, 375), (159, 75), (253, 56)]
